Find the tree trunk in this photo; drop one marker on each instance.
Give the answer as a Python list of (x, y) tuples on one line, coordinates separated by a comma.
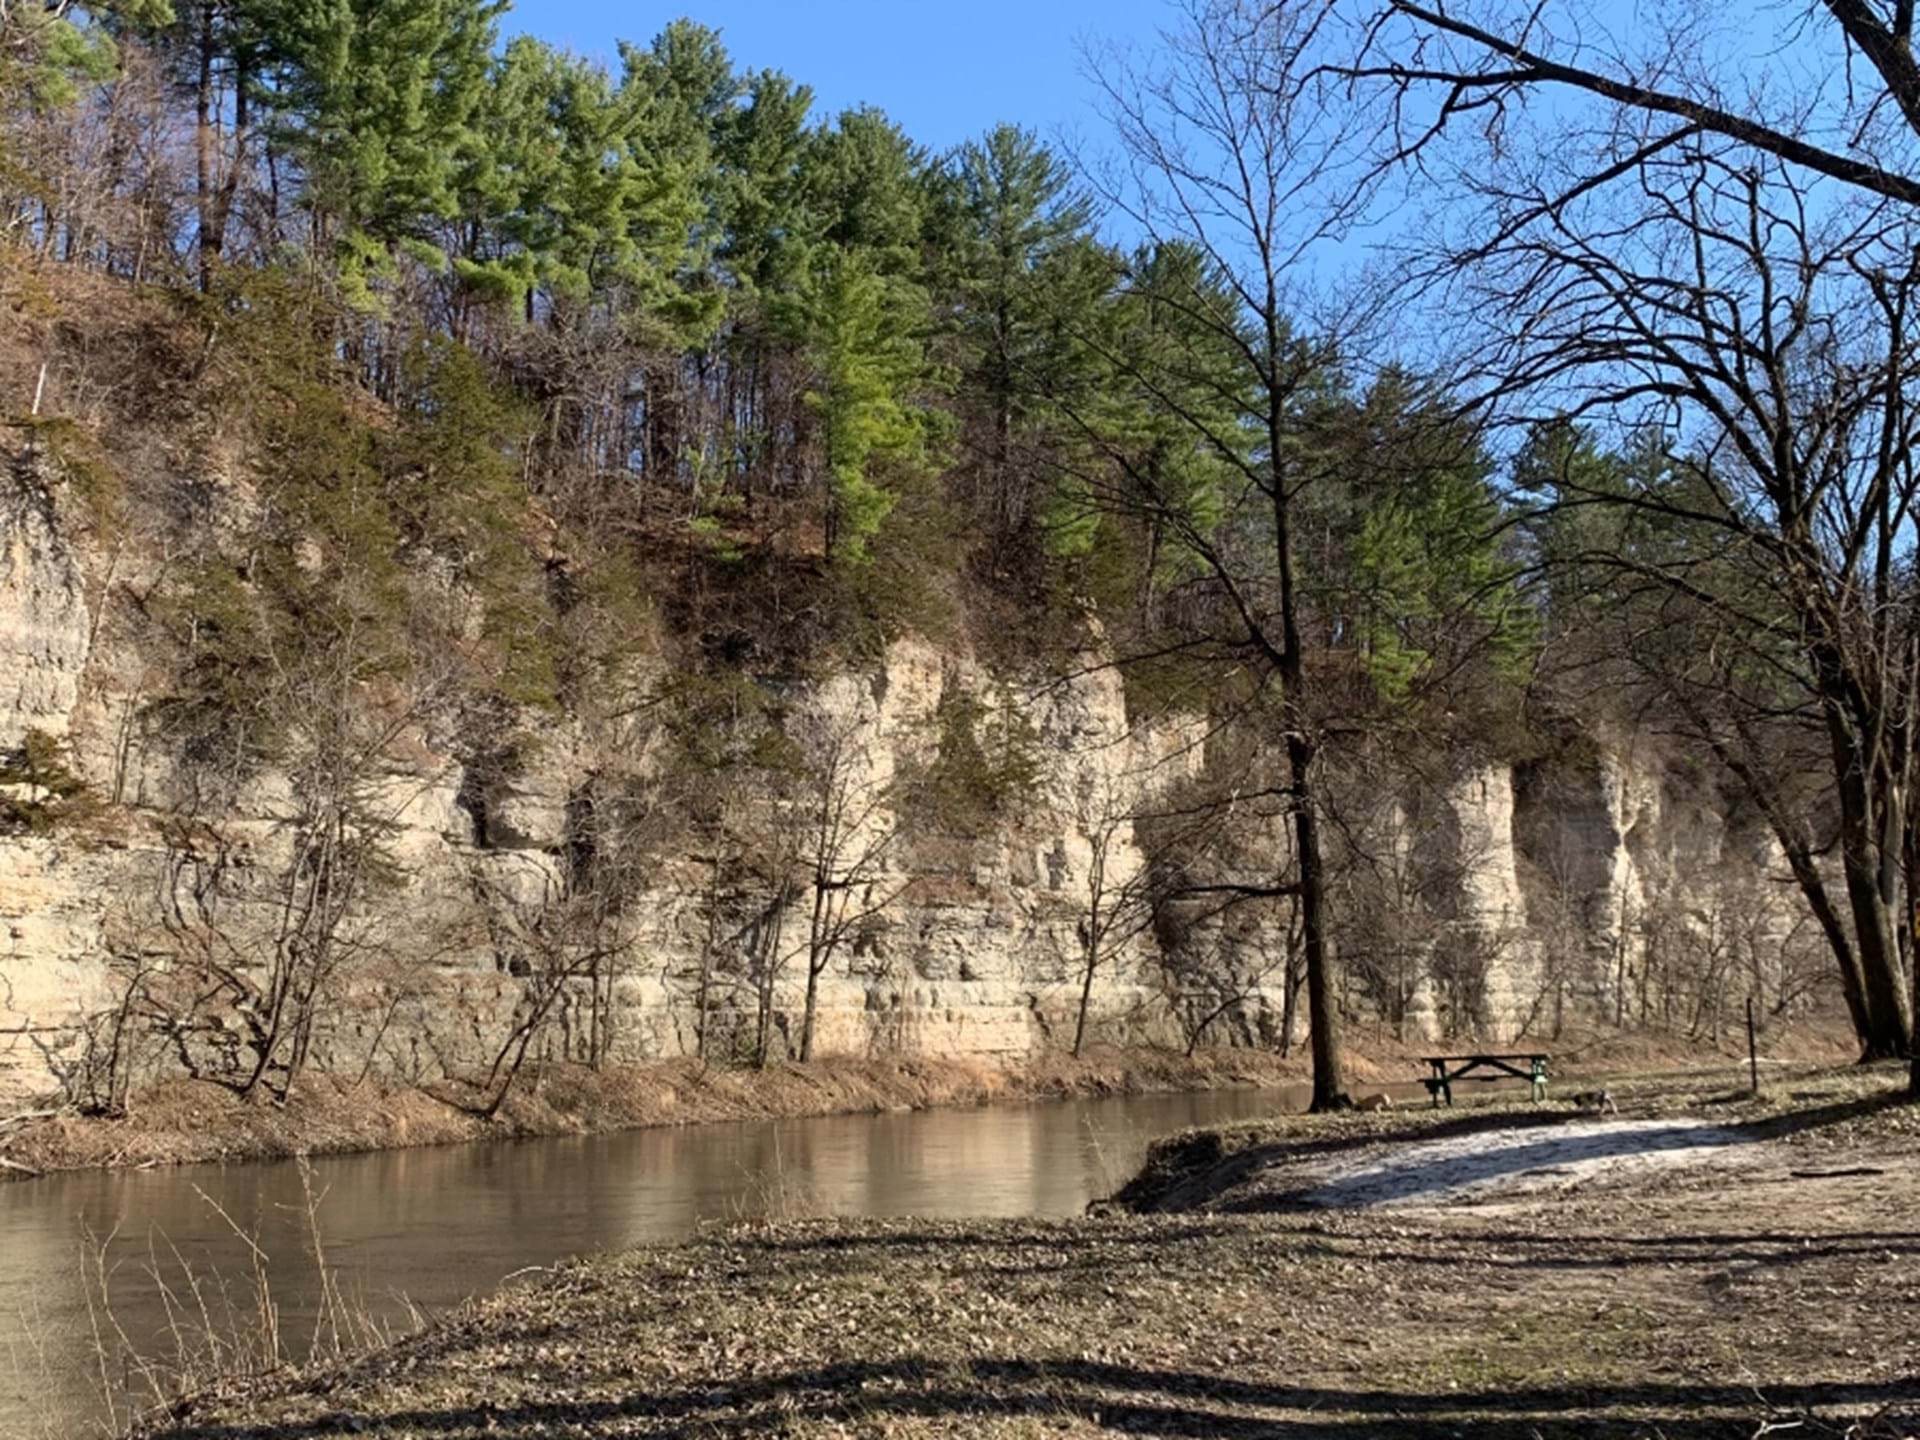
[(1869, 814), (1813, 885), (1090, 964), (1329, 1090), (819, 955), (767, 945), (812, 1007), (204, 121)]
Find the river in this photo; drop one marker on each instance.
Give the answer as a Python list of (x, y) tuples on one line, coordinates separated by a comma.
[(426, 1228)]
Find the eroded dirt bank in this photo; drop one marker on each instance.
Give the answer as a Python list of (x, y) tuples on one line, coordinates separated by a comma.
[(1675, 1300)]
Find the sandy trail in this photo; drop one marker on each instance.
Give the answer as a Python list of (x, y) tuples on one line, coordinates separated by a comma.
[(1503, 1163)]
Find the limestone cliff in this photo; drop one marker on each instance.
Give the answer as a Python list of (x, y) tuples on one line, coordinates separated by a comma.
[(1583, 882)]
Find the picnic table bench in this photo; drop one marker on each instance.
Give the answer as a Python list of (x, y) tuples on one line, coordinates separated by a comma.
[(1449, 1068)]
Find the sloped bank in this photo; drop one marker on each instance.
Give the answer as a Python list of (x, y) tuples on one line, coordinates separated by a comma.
[(1513, 1150), (187, 1123)]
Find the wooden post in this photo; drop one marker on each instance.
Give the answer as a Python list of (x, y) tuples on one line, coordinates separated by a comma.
[(1753, 1052)]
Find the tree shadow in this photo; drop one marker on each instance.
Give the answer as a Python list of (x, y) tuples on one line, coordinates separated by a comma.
[(1821, 1116), (1198, 1228), (1572, 1252), (1418, 1171), (1122, 1398)]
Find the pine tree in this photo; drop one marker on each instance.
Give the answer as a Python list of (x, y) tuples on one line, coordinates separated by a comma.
[(766, 224), (1409, 569), (869, 372), (376, 103), (48, 53), (1013, 239), (1164, 414), (863, 180), (678, 93)]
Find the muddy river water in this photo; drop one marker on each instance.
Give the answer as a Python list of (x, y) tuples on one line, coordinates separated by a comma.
[(424, 1228)]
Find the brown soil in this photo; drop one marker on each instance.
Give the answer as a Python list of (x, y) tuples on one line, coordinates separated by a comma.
[(1681, 1304)]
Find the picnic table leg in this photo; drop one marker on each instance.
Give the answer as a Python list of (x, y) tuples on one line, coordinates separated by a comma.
[(1446, 1088)]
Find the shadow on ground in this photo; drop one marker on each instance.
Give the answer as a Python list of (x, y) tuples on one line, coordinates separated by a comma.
[(1436, 1168), (1123, 1399)]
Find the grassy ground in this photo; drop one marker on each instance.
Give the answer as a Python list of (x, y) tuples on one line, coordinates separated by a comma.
[(1698, 1301)]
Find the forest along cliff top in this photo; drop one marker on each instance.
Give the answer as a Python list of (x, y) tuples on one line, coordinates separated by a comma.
[(1682, 1304)]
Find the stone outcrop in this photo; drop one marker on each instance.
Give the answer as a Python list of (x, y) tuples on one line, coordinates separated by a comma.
[(1618, 858), (45, 625)]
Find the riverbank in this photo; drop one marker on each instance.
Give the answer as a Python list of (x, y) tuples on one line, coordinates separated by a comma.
[(1684, 1302), (187, 1123)]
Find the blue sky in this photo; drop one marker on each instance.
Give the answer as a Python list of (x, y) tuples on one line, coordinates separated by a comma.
[(944, 69)]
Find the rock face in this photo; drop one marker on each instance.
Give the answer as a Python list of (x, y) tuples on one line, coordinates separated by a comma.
[(1568, 885), (45, 627)]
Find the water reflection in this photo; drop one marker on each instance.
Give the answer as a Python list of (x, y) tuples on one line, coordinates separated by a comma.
[(436, 1225)]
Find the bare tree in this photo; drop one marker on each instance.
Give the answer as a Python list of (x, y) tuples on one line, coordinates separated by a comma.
[(566, 934), (261, 939), (1222, 160), (1728, 268), (843, 820), (1432, 71), (1117, 891)]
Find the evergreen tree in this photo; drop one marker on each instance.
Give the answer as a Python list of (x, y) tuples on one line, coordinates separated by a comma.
[(870, 371), (376, 101), (1405, 526), (678, 93), (1013, 242), (1166, 413), (766, 224), (863, 180), (49, 53)]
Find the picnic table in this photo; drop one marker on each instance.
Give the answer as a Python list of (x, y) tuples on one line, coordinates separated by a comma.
[(1449, 1068)]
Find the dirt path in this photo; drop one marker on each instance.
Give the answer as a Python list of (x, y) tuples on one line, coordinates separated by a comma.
[(1506, 1164)]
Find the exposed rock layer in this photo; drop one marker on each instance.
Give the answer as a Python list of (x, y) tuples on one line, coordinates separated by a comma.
[(1565, 882)]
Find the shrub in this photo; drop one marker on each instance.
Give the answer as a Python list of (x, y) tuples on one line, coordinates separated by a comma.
[(38, 790)]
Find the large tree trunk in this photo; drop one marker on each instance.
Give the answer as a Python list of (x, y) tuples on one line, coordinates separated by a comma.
[(1871, 824), (1329, 1088)]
